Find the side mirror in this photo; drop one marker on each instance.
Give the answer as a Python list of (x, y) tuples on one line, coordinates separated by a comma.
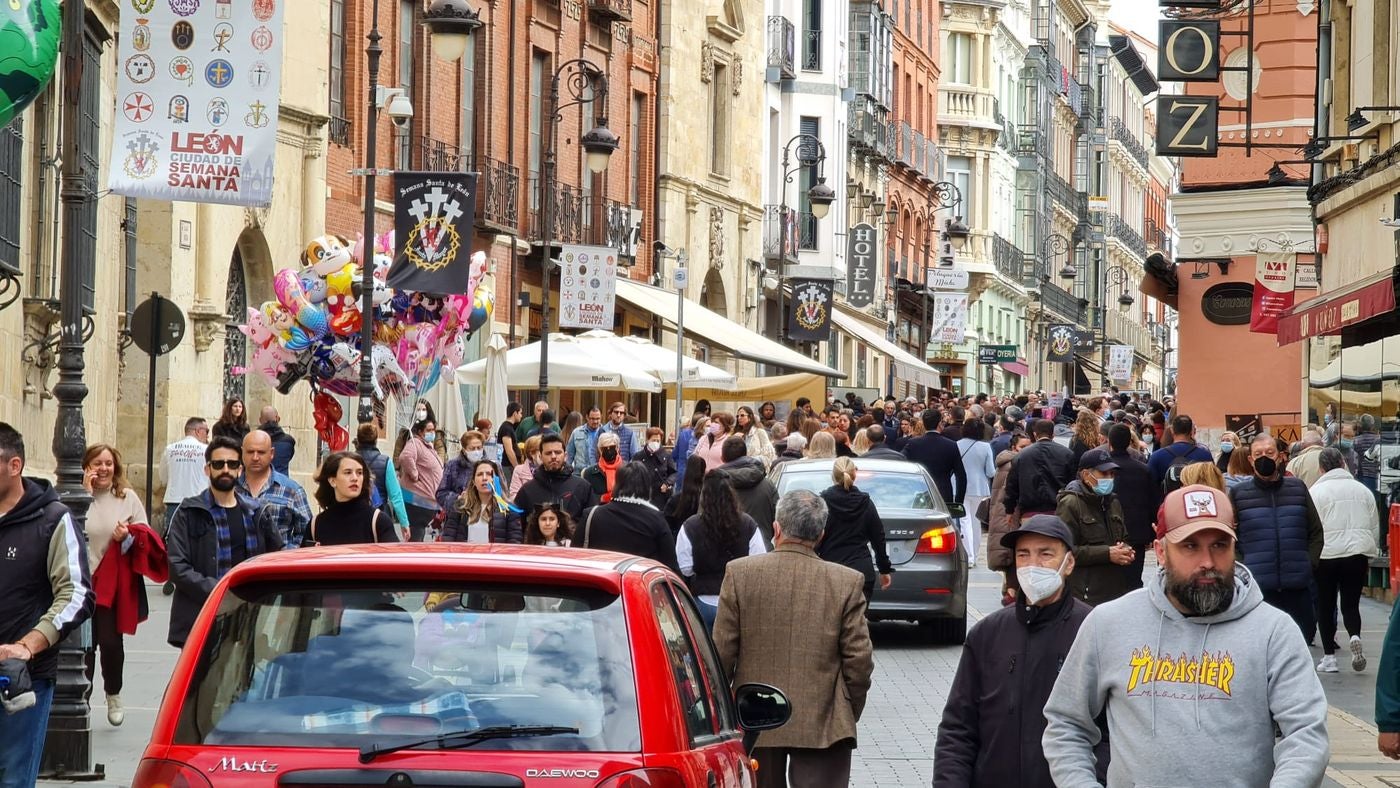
[(761, 707)]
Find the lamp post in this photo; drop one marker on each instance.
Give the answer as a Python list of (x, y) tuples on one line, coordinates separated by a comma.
[(1054, 246), (586, 82), (820, 196), (450, 23), (68, 745), (942, 195)]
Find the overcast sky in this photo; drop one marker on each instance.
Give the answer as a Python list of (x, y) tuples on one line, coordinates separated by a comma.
[(1138, 15)]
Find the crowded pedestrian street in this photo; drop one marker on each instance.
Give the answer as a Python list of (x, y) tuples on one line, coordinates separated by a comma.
[(898, 729)]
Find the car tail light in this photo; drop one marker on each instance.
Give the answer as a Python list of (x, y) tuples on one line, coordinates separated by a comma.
[(154, 773), (645, 778), (938, 540)]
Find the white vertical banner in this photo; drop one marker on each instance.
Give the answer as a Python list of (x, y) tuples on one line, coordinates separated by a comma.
[(949, 317), (587, 286), (198, 83), (1120, 362)]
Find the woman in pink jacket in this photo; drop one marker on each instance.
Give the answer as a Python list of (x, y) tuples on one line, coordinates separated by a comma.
[(711, 446), (420, 471)]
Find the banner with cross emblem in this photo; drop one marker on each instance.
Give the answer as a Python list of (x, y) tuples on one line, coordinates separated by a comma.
[(809, 319), (197, 96), (433, 215)]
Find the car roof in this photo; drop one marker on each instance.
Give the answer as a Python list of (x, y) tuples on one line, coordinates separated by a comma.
[(862, 464), (413, 559)]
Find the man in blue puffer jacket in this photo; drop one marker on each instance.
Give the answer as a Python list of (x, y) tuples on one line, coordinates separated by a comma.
[(1280, 534)]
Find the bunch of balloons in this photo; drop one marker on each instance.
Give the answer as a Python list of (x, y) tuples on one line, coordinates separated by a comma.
[(312, 330), (29, 36)]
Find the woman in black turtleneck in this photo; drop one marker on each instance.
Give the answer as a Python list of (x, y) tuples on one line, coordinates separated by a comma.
[(347, 516)]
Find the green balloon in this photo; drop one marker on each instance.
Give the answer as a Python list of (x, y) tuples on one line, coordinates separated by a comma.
[(29, 34)]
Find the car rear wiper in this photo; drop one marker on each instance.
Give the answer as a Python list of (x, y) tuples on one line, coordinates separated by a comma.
[(467, 738)]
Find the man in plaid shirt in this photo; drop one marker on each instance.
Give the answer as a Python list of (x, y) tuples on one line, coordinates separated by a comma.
[(282, 500)]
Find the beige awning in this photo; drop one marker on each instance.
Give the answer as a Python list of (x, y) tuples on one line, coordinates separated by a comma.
[(750, 390), (906, 365), (719, 330)]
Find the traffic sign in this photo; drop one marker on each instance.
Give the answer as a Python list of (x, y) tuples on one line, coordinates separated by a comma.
[(157, 325)]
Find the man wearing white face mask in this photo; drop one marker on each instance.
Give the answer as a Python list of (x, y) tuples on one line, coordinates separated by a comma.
[(992, 725)]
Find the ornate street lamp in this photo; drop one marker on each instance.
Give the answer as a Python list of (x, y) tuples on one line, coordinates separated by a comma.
[(811, 153)]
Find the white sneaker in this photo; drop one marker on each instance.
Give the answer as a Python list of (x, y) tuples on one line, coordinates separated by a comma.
[(1358, 659), (1328, 664), (115, 714)]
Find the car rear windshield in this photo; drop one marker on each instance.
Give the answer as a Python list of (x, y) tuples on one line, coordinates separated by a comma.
[(887, 490), (303, 666)]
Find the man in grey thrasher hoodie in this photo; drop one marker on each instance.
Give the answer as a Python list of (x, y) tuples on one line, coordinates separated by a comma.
[(1195, 671)]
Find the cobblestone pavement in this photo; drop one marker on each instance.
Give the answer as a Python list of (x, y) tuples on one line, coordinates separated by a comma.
[(897, 732)]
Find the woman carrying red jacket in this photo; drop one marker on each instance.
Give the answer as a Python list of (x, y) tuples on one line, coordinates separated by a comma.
[(122, 548)]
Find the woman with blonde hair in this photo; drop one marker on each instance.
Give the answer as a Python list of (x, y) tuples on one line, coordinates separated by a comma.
[(853, 528), (861, 444), (1086, 434), (478, 516), (822, 446), (525, 471), (1203, 473), (122, 547)]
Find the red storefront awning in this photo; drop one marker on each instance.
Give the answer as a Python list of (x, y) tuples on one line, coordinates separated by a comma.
[(1328, 315), (1017, 367)]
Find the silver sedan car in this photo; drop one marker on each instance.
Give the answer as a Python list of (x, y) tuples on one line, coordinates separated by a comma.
[(930, 562)]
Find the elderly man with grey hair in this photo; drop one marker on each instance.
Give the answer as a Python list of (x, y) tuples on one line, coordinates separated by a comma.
[(1304, 462), (793, 446), (789, 619)]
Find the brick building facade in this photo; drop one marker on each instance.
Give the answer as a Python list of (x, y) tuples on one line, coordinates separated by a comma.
[(488, 113)]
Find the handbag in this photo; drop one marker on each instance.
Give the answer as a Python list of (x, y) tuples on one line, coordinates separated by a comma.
[(984, 511), (588, 527)]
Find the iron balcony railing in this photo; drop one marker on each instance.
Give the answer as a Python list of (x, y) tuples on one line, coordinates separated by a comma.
[(339, 130), (1064, 303), (580, 218), (620, 10), (812, 49), (782, 46), (806, 231), (497, 184), (1121, 134), (1126, 235), (779, 233), (1157, 238), (866, 126), (1066, 195), (1010, 261)]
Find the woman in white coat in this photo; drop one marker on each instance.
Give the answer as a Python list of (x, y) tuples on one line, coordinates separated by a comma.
[(981, 467), (1348, 513)]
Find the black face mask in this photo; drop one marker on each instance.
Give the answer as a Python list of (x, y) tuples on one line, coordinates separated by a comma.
[(609, 453), (1265, 467)]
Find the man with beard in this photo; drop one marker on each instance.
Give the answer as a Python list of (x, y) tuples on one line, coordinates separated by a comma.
[(556, 483), (1194, 663), (210, 534)]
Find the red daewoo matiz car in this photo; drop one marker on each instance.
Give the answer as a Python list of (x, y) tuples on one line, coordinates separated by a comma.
[(452, 665)]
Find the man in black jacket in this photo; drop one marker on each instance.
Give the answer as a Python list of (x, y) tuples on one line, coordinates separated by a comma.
[(1140, 498), (940, 458), (879, 446), (1038, 474), (758, 498), (45, 593), (992, 724), (284, 446), (212, 533), (555, 482)]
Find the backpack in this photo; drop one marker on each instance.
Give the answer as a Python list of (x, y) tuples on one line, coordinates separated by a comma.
[(379, 466), (1172, 480)]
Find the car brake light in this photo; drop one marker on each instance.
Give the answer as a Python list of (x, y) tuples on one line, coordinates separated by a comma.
[(645, 778), (938, 540), (154, 773)]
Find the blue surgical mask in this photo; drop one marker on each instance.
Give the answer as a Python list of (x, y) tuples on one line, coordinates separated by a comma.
[(430, 437), (1345, 443), (1226, 447), (1103, 486)]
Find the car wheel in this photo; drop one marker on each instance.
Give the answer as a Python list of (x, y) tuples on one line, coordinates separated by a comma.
[(946, 631)]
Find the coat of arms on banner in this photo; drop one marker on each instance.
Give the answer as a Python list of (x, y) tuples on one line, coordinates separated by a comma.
[(433, 242), (811, 307), (1062, 339)]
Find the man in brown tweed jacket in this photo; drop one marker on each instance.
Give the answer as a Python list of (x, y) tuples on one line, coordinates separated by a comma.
[(789, 619)]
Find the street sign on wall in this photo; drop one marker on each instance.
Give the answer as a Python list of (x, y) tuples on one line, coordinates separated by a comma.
[(996, 354), (947, 278)]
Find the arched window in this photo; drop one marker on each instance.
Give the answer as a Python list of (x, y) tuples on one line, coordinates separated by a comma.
[(235, 343)]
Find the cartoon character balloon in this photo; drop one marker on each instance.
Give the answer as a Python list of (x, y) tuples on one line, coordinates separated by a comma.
[(29, 34)]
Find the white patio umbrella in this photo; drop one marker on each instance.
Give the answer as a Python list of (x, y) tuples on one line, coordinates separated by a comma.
[(572, 365), (657, 360), (494, 396)]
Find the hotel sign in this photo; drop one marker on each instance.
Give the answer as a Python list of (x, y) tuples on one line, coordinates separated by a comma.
[(1188, 125), (861, 251), (1188, 51)]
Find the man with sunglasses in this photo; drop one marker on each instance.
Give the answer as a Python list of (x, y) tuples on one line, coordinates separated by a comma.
[(211, 533)]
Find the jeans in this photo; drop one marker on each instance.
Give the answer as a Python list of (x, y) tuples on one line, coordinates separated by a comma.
[(419, 519), (1344, 576), (708, 612), (22, 739), (109, 649)]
